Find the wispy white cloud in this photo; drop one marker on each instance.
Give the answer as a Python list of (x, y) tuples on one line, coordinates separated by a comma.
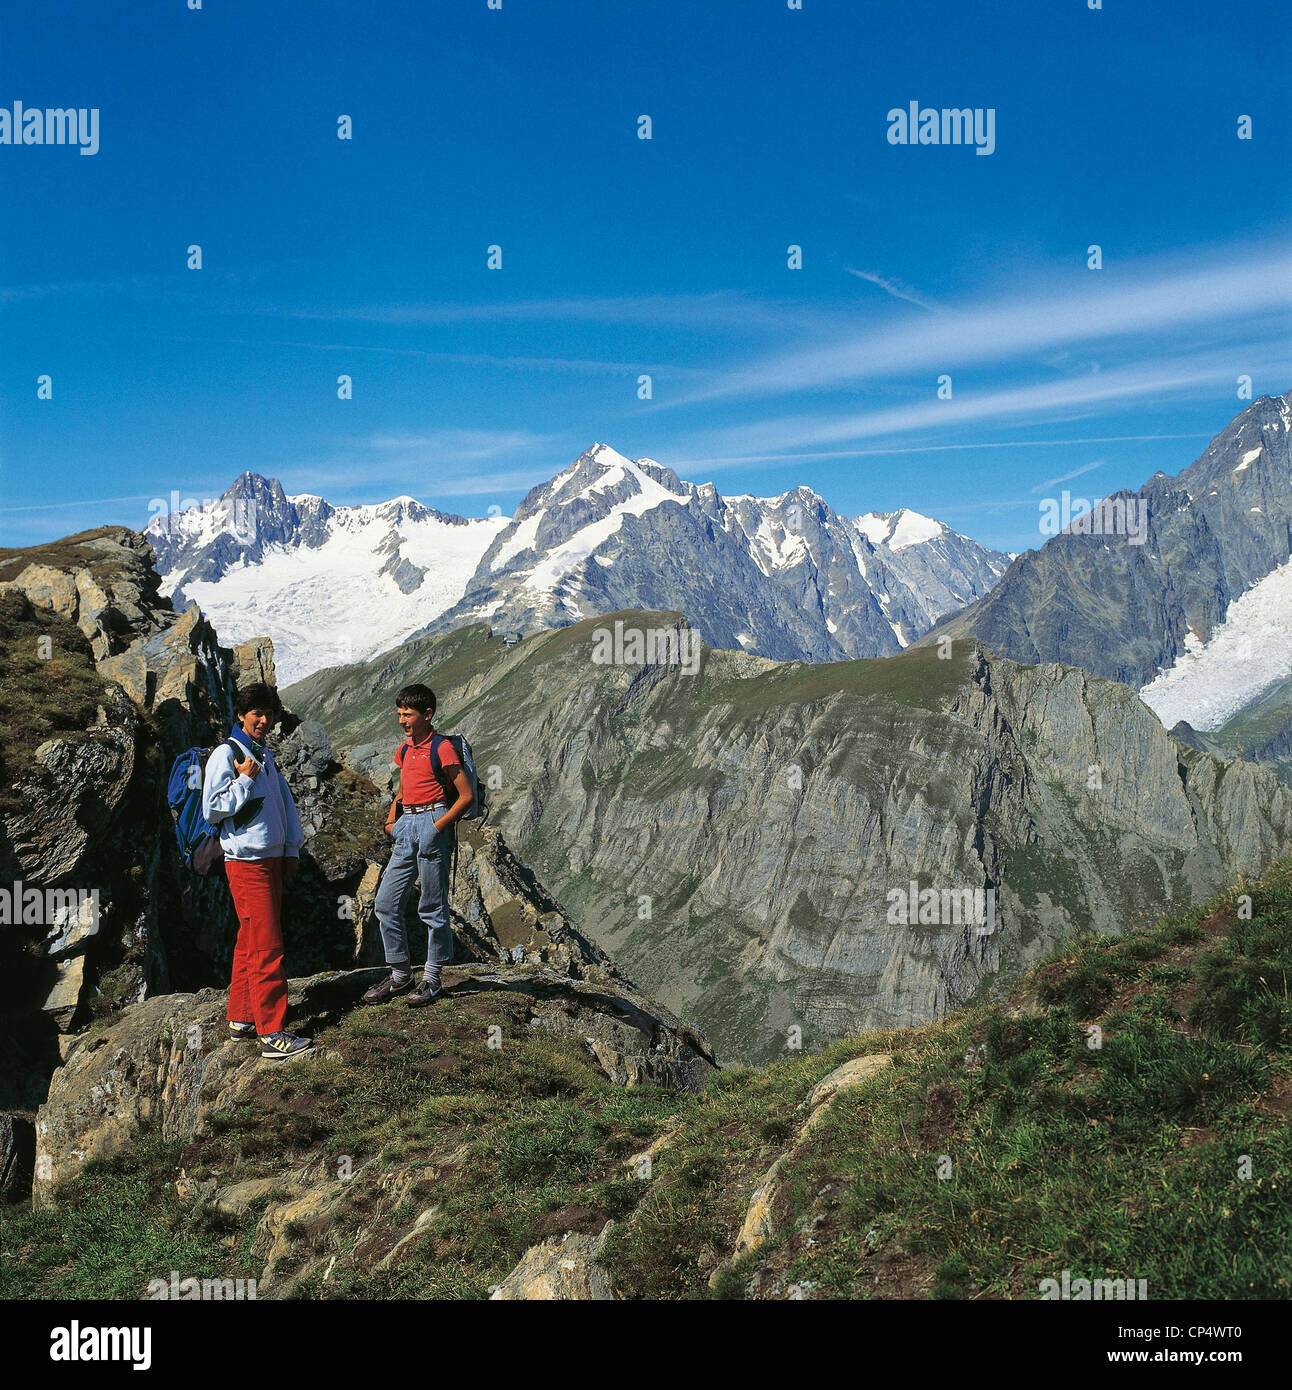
[(893, 287), (1156, 381), (1136, 303), (718, 308), (148, 286), (1068, 477), (507, 362), (821, 455), (432, 464)]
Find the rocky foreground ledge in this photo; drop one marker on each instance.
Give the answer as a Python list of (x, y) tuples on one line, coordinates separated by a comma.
[(168, 1063)]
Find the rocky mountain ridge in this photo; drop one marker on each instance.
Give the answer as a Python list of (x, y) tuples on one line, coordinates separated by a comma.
[(1129, 607), (738, 834), (781, 577)]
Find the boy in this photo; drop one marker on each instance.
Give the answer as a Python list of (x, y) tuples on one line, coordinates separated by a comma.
[(246, 798), (435, 791)]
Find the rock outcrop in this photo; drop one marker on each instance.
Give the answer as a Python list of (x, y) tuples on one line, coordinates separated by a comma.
[(561, 1269), (169, 1066), (85, 810), (101, 580), (759, 1222)]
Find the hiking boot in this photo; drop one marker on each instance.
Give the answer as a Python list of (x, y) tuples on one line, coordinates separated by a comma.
[(387, 989), (241, 1030), (425, 993), (277, 1046)]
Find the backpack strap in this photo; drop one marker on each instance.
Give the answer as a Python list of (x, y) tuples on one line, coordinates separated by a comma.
[(438, 768), (251, 807), (400, 751)]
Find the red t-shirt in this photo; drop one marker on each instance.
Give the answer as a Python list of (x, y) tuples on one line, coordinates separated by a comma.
[(418, 785)]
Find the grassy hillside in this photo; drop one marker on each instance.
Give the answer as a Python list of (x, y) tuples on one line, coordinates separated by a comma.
[(1157, 1149)]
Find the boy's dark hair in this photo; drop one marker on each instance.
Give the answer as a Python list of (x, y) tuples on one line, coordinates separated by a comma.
[(258, 695), (418, 697)]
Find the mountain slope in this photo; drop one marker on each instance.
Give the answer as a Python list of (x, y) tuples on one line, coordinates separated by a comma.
[(1129, 611), (737, 834), (1123, 1078), (1261, 732)]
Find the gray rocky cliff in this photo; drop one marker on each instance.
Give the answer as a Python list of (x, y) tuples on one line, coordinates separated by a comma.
[(735, 837)]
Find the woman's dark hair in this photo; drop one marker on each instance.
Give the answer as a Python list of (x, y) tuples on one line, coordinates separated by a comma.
[(256, 696), (418, 697)]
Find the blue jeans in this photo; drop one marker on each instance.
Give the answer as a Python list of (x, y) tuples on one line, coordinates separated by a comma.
[(421, 852)]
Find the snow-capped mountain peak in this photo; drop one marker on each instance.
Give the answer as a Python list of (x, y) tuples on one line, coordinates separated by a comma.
[(899, 529), (786, 577), (329, 584)]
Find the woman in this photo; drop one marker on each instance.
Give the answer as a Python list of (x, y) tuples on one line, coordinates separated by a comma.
[(247, 799)]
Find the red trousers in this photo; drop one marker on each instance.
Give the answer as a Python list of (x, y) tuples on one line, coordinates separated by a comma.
[(258, 987)]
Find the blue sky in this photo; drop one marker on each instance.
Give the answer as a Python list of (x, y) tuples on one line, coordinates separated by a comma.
[(624, 257)]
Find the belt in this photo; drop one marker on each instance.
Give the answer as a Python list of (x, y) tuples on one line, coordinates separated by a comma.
[(432, 806)]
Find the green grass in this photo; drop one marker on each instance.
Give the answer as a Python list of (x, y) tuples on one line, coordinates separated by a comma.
[(123, 1229), (1125, 1160), (1122, 1115)]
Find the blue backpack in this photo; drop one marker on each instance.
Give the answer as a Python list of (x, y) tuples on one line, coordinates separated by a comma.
[(198, 839)]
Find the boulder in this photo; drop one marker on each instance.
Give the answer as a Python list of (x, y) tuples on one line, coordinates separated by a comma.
[(62, 1000), (854, 1073), (562, 1268), (634, 1040), (103, 580), (306, 751), (71, 793), (47, 587), (254, 662)]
